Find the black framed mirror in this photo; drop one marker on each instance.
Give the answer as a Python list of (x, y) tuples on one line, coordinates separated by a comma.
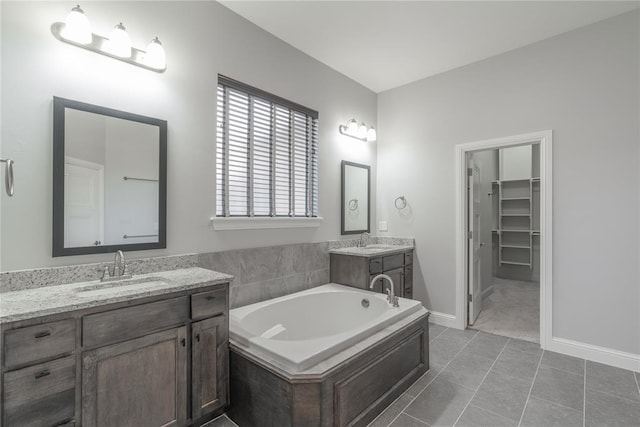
[(109, 180), (355, 201)]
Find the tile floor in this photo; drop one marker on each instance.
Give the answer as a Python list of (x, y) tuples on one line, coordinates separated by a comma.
[(512, 310), (479, 379)]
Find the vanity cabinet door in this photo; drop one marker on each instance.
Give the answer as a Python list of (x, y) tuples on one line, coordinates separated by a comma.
[(397, 275), (140, 382), (210, 366)]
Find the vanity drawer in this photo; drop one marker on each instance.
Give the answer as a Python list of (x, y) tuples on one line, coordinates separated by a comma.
[(375, 265), (40, 395), (392, 261), (408, 258), (34, 343), (208, 304), (131, 322)]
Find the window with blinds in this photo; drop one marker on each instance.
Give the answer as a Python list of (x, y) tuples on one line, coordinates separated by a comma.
[(266, 154)]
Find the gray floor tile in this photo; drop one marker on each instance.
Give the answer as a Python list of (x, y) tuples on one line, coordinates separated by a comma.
[(467, 370), (561, 387), (435, 330), (615, 381), (486, 345), (526, 346), (405, 420), (551, 359), (542, 413), (477, 417), (517, 363), (423, 381), (440, 403), (221, 421), (606, 410), (503, 395), (392, 411), (448, 344)]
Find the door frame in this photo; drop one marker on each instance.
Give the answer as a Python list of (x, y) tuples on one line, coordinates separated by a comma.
[(544, 139)]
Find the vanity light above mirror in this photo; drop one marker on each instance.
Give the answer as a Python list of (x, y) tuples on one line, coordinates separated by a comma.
[(76, 30), (356, 131)]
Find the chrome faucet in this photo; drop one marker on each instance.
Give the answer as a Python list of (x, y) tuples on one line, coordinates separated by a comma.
[(118, 271), (363, 242), (391, 297)]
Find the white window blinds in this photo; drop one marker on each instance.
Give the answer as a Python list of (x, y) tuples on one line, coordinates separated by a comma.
[(266, 154)]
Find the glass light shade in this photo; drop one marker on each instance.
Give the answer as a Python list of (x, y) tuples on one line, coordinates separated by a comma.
[(77, 27), (371, 135), (155, 56), (119, 43), (352, 127), (362, 131)]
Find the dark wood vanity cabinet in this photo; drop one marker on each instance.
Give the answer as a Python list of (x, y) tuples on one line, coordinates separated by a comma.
[(160, 361), (358, 271)]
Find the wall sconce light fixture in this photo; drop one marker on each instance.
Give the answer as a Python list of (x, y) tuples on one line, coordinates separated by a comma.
[(358, 132), (76, 30)]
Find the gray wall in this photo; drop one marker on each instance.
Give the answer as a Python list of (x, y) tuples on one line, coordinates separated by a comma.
[(584, 85), (201, 39)]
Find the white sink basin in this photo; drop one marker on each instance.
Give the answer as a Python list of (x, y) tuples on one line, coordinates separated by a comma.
[(124, 286)]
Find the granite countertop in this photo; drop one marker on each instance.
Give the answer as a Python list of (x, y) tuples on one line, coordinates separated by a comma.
[(373, 250), (48, 300)]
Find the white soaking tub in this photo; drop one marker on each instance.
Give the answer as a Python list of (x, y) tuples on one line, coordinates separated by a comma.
[(302, 329)]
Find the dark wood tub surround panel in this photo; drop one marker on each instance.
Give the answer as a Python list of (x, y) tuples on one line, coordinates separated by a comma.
[(352, 393)]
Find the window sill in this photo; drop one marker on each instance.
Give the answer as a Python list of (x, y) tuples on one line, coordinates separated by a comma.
[(260, 223)]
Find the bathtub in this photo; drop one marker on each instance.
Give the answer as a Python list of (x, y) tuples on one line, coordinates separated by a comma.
[(299, 330)]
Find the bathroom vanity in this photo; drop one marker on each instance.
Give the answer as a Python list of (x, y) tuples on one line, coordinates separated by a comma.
[(357, 266), (150, 351)]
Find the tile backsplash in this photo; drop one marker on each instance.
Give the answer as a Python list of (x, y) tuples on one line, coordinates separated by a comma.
[(260, 273)]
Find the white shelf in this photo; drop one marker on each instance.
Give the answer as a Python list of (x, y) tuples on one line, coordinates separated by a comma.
[(516, 246), (536, 179), (515, 263), (515, 198), (504, 214)]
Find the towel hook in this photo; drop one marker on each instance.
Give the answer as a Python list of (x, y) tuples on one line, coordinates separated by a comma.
[(8, 176), (400, 202)]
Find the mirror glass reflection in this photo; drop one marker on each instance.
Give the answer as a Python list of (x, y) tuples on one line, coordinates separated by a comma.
[(109, 180), (355, 198)]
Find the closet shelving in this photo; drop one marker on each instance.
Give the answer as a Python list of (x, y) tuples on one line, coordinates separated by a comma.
[(515, 223)]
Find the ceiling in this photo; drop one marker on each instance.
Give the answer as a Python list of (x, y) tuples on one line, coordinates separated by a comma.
[(386, 44)]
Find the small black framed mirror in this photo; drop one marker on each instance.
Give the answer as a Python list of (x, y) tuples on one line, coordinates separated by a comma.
[(356, 195), (109, 180)]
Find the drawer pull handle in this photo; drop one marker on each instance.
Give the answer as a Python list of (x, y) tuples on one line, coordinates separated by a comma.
[(42, 334), (198, 337), (210, 298), (43, 373), (183, 342)]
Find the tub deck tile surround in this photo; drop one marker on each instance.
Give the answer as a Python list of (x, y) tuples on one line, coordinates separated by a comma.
[(50, 300), (607, 392), (269, 272)]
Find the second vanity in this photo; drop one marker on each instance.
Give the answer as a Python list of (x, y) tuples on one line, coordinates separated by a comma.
[(357, 266), (146, 351)]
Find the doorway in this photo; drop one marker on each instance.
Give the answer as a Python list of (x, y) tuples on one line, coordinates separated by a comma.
[(503, 193), (504, 261)]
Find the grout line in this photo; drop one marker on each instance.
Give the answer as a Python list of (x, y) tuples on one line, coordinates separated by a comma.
[(434, 378), (481, 382), (531, 388), (417, 419), (637, 382), (555, 403), (584, 396), (441, 332), (613, 395), (490, 412)]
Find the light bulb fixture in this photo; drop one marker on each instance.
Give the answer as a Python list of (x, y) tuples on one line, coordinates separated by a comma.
[(76, 30), (155, 57), (119, 43), (358, 132), (77, 27)]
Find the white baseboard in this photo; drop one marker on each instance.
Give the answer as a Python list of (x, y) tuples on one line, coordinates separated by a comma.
[(443, 319), (595, 353)]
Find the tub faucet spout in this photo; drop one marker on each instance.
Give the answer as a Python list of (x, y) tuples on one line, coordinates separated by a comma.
[(391, 296)]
